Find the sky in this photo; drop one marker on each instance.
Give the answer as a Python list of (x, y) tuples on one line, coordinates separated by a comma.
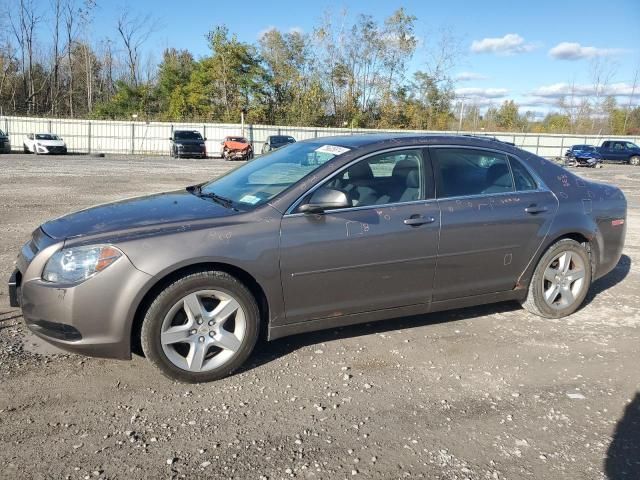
[(529, 51)]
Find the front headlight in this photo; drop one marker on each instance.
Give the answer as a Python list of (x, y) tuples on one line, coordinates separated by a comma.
[(76, 264)]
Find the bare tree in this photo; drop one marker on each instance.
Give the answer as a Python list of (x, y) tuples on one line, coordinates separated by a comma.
[(56, 7), (602, 72), (634, 86), (134, 31), (24, 29)]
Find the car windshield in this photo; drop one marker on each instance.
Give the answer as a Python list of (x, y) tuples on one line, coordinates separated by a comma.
[(46, 136), (182, 135), (237, 139), (258, 181), (584, 147), (281, 140)]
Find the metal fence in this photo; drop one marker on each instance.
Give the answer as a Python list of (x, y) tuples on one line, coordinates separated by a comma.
[(152, 138)]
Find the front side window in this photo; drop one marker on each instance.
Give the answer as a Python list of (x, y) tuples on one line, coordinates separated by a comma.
[(465, 171), (392, 177), (631, 146)]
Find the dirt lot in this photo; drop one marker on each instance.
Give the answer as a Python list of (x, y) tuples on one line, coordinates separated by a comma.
[(478, 393)]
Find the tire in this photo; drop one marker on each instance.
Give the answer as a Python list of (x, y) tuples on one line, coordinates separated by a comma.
[(25, 149), (635, 160), (570, 294), (167, 322)]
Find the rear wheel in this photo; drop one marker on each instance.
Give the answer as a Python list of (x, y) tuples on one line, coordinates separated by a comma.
[(635, 160), (561, 280), (25, 149), (201, 327)]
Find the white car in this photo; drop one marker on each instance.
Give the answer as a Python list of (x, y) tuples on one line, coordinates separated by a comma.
[(42, 143)]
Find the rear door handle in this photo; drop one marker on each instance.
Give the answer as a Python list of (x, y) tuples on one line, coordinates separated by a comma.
[(533, 209), (417, 220)]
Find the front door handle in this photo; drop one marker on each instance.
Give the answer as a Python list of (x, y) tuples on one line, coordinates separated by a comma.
[(417, 220), (533, 209)]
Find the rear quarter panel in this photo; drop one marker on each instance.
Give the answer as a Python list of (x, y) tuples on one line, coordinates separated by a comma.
[(587, 208)]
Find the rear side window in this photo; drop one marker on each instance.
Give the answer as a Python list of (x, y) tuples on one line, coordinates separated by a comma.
[(522, 178), (465, 171)]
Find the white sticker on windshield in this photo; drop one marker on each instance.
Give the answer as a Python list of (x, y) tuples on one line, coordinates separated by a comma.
[(251, 199), (333, 149)]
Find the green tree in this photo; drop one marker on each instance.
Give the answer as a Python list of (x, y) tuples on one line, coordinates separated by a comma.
[(173, 75)]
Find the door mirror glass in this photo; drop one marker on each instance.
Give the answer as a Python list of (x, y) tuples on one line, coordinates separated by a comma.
[(325, 199)]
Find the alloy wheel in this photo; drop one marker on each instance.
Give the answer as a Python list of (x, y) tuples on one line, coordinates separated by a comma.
[(203, 330), (564, 280)]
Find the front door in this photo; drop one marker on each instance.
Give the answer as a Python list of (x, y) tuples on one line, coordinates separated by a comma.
[(494, 217), (379, 253)]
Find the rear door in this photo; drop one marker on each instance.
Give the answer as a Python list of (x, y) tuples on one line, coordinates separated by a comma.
[(619, 152), (495, 215), (378, 254)]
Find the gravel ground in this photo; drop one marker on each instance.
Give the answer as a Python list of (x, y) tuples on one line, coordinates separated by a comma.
[(478, 393)]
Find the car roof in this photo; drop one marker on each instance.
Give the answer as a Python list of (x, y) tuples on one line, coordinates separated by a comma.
[(401, 139)]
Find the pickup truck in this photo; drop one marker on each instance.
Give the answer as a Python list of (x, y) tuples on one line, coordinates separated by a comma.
[(620, 151)]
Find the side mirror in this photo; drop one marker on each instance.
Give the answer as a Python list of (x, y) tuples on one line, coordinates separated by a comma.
[(205, 139), (325, 199)]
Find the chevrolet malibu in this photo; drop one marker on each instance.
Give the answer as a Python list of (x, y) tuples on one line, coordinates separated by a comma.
[(317, 235)]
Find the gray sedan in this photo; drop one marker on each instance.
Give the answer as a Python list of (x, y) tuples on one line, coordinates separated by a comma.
[(318, 234)]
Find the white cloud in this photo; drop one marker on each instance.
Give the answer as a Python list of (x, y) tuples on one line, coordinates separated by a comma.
[(468, 76), (482, 92), (556, 90), (510, 44), (296, 29), (575, 51)]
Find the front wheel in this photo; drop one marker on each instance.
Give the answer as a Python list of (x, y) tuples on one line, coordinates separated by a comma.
[(201, 328), (561, 280), (635, 160)]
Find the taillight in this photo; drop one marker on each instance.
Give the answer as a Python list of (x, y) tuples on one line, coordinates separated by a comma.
[(617, 222)]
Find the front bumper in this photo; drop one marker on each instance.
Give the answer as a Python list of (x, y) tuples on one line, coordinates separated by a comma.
[(91, 318), (44, 150)]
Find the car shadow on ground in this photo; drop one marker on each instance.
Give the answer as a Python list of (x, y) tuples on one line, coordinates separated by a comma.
[(266, 352), (623, 456), (614, 277)]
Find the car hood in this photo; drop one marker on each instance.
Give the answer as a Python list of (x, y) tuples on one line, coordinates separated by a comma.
[(230, 144), (586, 153), (140, 213), (51, 143)]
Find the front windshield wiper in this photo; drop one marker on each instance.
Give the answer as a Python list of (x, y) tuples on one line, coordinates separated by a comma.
[(224, 201)]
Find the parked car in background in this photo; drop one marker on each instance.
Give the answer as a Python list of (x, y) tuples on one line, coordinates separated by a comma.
[(583, 156), (321, 234), (44, 143), (620, 151), (236, 148), (188, 143), (5, 143), (274, 142)]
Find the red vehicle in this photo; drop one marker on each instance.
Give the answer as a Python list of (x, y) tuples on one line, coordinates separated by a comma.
[(236, 148)]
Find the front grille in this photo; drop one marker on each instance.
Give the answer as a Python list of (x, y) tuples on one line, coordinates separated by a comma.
[(191, 149), (57, 149)]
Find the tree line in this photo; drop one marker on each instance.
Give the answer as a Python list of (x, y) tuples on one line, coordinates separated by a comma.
[(347, 72)]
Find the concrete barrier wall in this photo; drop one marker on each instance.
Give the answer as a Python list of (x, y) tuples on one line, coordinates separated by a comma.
[(94, 136)]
